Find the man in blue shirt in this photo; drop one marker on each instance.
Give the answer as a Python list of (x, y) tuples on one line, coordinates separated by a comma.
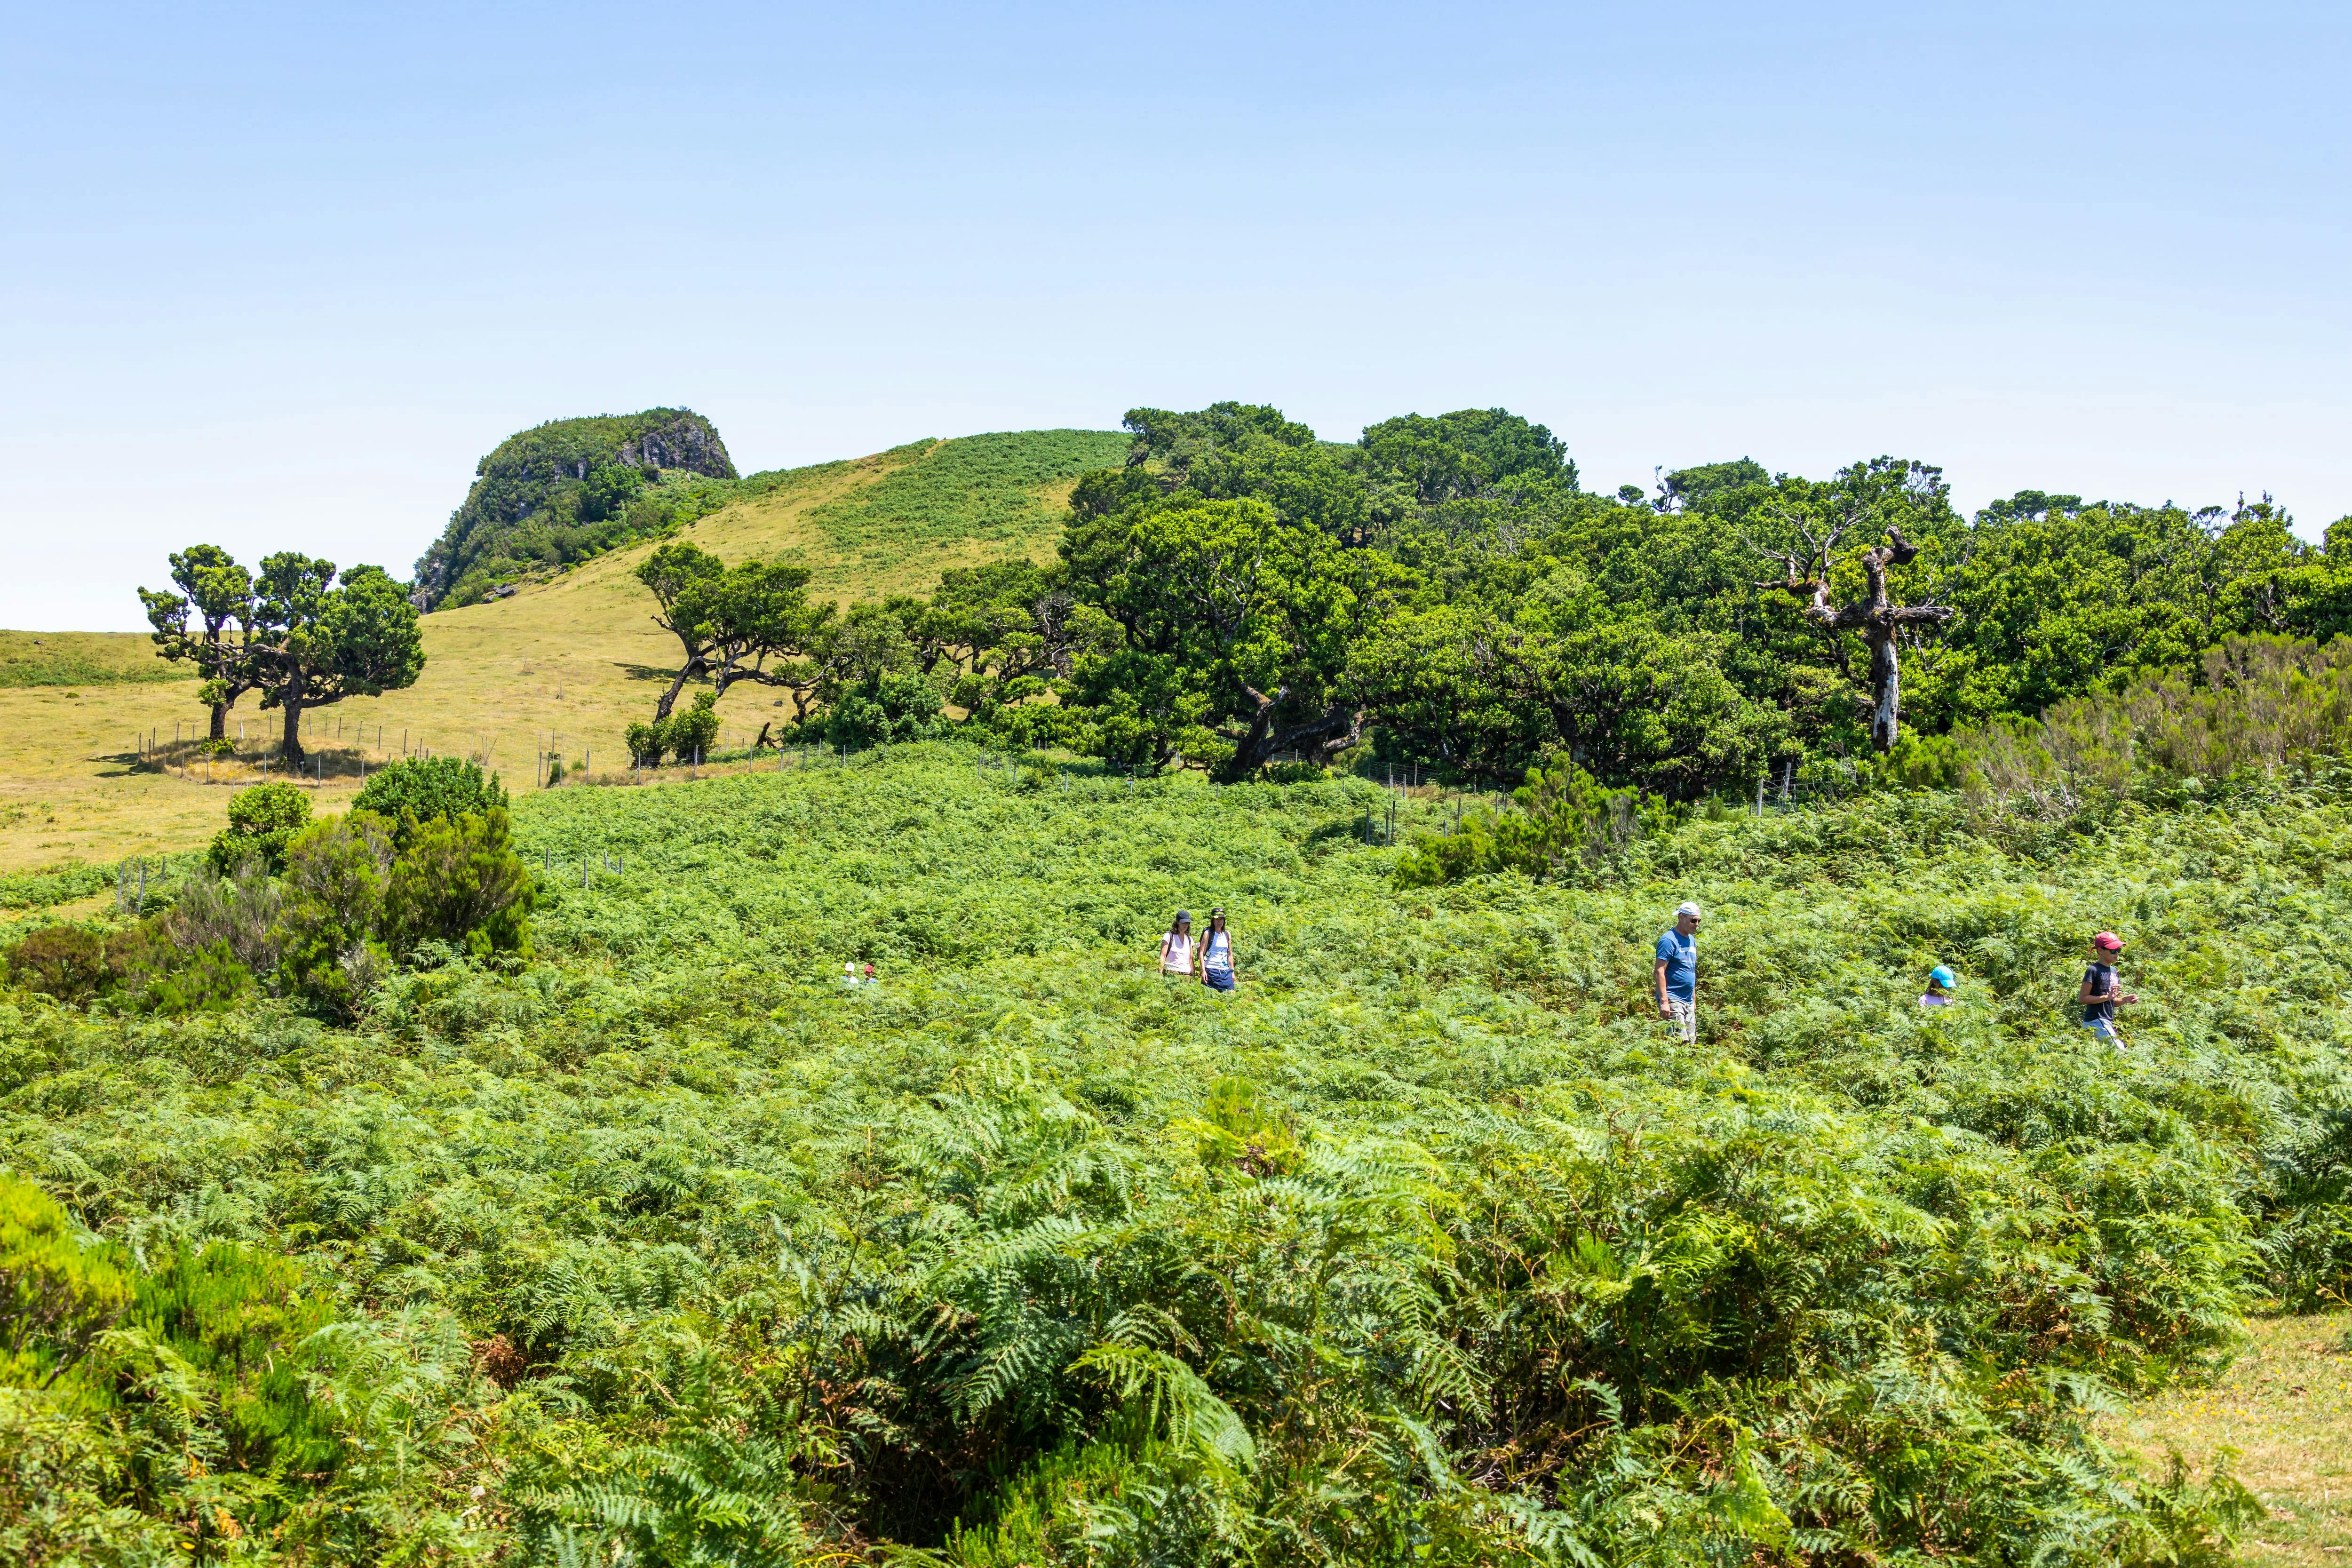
[(1677, 973)]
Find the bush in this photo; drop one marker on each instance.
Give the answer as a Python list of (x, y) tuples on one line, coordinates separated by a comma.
[(260, 822), (335, 877), (685, 736), (56, 1296), (892, 708), (418, 789), (66, 961), (461, 882), (1566, 823), (239, 911)]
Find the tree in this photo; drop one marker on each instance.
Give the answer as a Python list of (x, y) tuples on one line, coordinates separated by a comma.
[(1234, 629), (1862, 499), (749, 622), (320, 640), (219, 592)]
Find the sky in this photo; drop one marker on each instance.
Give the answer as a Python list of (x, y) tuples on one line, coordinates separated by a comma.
[(276, 278)]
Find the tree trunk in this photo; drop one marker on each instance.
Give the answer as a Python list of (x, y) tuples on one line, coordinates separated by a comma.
[(290, 747), (691, 668), (1886, 688), (220, 722), (1333, 731)]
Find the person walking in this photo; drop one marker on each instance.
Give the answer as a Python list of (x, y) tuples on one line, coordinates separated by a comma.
[(1217, 954), (1940, 985), (2101, 991), (1677, 973), (1176, 955)]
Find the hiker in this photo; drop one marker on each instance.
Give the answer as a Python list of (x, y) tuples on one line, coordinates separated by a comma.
[(2099, 993), (849, 974), (1176, 947), (1217, 954), (1677, 973), (1941, 982), (871, 978)]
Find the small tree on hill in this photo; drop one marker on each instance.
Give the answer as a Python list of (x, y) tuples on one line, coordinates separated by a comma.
[(218, 593), (322, 640)]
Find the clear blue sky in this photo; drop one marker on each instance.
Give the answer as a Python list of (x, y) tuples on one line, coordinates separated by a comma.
[(277, 278)]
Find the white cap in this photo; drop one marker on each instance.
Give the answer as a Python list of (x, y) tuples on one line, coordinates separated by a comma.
[(1686, 908)]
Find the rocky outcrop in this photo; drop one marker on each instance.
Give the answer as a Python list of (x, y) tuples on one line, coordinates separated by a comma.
[(563, 490)]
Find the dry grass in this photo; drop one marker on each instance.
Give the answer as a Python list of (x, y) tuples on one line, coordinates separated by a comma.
[(565, 665), (2287, 1408)]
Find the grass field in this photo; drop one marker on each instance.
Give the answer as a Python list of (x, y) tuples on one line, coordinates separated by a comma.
[(565, 665), (2285, 1408)]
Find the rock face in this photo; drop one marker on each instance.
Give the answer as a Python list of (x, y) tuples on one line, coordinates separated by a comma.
[(564, 490)]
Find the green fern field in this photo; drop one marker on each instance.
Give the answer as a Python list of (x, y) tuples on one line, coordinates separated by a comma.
[(1428, 1246)]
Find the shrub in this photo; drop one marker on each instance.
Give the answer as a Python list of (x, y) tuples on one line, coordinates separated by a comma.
[(239, 911), (56, 1296), (684, 735), (334, 887), (460, 882), (418, 789), (893, 708), (694, 732), (260, 822), (1566, 821), (66, 961)]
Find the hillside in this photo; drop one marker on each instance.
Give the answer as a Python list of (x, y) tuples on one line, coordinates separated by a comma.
[(566, 663)]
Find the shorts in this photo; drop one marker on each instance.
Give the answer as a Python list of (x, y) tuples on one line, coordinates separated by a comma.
[(1217, 979), (1683, 1016), (2103, 1028)]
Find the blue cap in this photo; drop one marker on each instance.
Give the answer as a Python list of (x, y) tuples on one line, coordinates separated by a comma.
[(1941, 976)]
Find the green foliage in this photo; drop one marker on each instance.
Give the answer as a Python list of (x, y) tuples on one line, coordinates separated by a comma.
[(1567, 823), (570, 489), (56, 1296), (66, 962), (260, 821), (361, 895), (459, 881), (416, 789), (1429, 1238)]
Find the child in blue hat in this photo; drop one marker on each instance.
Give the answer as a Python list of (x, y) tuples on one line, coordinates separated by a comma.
[(1941, 982)]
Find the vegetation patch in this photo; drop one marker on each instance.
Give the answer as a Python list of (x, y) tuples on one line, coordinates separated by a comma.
[(1429, 1244)]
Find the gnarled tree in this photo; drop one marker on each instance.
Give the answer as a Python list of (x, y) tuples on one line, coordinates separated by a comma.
[(1876, 616), (321, 640), (749, 622)]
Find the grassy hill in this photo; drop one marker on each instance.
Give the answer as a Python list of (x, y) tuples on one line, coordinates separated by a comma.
[(1429, 1246), (563, 665)]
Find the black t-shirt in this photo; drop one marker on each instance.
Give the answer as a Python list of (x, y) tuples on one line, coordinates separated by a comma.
[(2101, 978)]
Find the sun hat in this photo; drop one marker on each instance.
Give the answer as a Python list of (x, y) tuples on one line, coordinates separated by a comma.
[(2109, 941), (1942, 977), (1687, 908)]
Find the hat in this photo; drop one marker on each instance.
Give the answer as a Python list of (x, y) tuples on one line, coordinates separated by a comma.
[(1940, 976), (2109, 941), (1686, 908), (1215, 912), (1182, 915)]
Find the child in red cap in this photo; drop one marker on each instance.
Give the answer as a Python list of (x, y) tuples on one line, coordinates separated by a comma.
[(2099, 995)]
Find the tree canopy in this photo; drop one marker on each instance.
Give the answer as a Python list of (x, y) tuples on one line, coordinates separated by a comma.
[(1445, 591)]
